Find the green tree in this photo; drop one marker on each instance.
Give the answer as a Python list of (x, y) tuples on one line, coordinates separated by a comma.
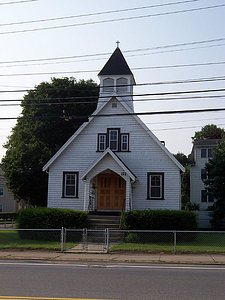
[(215, 184), (185, 183), (50, 115), (209, 132)]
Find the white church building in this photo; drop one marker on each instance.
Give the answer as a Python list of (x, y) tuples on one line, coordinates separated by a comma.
[(114, 161)]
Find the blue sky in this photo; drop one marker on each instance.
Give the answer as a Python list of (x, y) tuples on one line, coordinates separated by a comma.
[(164, 46)]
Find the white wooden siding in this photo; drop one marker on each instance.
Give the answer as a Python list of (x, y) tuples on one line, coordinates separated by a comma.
[(145, 156)]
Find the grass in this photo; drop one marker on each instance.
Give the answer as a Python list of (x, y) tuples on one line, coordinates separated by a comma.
[(10, 239), (199, 243)]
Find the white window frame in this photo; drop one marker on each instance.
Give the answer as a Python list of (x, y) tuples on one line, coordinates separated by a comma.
[(102, 142), (207, 197), (114, 139), (67, 185), (160, 187), (121, 85), (124, 144), (108, 85), (207, 154)]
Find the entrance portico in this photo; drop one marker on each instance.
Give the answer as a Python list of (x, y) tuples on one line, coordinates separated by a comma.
[(108, 184)]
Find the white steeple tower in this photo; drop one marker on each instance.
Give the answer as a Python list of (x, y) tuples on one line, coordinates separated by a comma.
[(116, 79)]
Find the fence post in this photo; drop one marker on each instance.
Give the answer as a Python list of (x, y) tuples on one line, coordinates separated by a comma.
[(85, 242), (175, 242), (62, 239), (107, 240)]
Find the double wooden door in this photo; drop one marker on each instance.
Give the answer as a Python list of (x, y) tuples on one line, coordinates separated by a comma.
[(111, 192)]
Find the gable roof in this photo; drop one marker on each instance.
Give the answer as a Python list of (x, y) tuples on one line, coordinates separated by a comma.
[(116, 65), (116, 158), (95, 113)]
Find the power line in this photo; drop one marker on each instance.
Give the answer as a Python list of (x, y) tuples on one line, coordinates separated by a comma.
[(123, 95), (187, 111), (17, 2), (143, 68), (108, 53), (98, 13), (113, 20)]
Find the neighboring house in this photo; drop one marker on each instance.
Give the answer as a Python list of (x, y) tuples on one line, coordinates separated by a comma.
[(114, 160), (7, 203), (201, 152)]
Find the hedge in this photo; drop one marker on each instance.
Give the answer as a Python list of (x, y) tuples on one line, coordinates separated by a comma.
[(160, 220), (51, 218)]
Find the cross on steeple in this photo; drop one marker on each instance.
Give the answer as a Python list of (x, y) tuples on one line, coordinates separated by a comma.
[(118, 44)]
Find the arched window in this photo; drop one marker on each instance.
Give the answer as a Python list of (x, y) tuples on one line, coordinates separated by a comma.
[(121, 85), (108, 85)]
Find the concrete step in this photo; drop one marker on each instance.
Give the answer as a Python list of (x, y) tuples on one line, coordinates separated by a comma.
[(103, 221)]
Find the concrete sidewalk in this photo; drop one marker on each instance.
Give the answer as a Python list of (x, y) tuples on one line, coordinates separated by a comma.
[(215, 259)]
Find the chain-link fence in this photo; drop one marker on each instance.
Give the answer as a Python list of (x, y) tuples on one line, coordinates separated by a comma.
[(7, 223), (105, 240)]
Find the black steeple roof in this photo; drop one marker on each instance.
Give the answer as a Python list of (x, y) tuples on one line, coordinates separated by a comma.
[(116, 65)]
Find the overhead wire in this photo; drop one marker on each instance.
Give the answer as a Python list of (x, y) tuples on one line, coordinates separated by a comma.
[(97, 13), (112, 20), (124, 51), (17, 2)]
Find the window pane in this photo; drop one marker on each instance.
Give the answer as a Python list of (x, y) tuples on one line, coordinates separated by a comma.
[(124, 142), (1, 192), (121, 84), (209, 152), (102, 142), (203, 196), (113, 140), (203, 174), (155, 186), (70, 185), (1, 208), (203, 152), (155, 192), (108, 84), (70, 190)]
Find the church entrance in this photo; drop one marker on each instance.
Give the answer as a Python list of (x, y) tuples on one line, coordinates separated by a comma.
[(111, 193)]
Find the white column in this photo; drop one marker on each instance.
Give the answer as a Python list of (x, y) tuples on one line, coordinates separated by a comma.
[(86, 195), (128, 194)]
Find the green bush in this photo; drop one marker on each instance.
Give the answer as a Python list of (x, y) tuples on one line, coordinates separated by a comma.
[(132, 238), (160, 220), (51, 218)]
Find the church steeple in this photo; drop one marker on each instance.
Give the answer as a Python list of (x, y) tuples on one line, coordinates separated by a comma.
[(116, 79)]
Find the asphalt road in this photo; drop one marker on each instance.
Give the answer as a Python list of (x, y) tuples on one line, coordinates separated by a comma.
[(111, 281)]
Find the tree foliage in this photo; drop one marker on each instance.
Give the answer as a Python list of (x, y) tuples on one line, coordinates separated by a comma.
[(50, 115), (209, 132), (215, 184), (185, 179)]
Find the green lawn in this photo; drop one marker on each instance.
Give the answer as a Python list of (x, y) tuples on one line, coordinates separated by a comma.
[(195, 243), (10, 239), (201, 242)]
